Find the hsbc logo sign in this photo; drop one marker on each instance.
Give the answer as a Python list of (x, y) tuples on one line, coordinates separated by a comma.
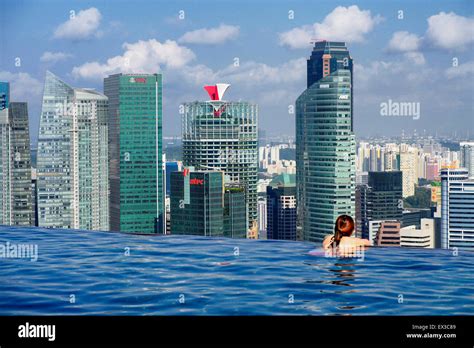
[(196, 181), (137, 80)]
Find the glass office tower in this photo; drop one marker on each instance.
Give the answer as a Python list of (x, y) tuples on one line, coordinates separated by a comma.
[(135, 152), (281, 208), (457, 209), (325, 154), (222, 135), (5, 157), (72, 160), (22, 204), (235, 212), (197, 203), (380, 199), (15, 161), (326, 58)]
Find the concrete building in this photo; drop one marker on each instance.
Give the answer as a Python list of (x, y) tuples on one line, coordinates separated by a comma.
[(423, 237), (388, 234)]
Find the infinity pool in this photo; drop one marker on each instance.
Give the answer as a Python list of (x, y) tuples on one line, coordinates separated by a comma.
[(103, 273)]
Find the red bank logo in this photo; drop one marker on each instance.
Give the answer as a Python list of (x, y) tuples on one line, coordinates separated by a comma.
[(217, 91), (196, 181), (138, 80)]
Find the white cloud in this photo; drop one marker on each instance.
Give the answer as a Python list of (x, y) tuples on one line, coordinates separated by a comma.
[(255, 73), (53, 57), (450, 31), (22, 85), (216, 35), (139, 57), (403, 41), (349, 24), (248, 74), (416, 57), (82, 26), (462, 70)]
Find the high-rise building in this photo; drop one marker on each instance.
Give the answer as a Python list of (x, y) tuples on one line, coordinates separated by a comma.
[(467, 157), (15, 162), (362, 216), (380, 199), (235, 211), (222, 135), (432, 169), (169, 168), (197, 203), (408, 165), (262, 217), (201, 204), (281, 208), (457, 209), (385, 201), (325, 143), (5, 157), (72, 163), (21, 189), (135, 152)]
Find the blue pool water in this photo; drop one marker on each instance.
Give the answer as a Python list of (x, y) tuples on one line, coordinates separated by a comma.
[(184, 275)]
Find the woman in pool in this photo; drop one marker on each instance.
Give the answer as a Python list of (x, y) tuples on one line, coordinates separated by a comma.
[(341, 241)]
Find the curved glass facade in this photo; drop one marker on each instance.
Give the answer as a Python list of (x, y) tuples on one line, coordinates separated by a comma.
[(325, 155)]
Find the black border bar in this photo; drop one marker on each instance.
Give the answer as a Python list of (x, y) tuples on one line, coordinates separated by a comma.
[(287, 330)]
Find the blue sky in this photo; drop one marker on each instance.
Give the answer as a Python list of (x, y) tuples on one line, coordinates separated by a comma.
[(425, 57)]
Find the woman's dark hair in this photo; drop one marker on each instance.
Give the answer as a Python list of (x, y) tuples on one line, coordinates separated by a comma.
[(343, 228)]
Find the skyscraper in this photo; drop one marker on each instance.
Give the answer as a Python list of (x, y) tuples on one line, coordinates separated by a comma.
[(235, 212), (22, 204), (5, 157), (197, 203), (457, 209), (72, 171), (380, 199), (169, 168), (467, 157), (325, 144), (385, 195), (15, 161), (408, 164), (326, 58), (222, 135), (135, 152), (281, 208)]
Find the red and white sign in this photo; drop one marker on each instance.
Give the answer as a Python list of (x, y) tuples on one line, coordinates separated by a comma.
[(138, 80), (217, 92), (196, 181)]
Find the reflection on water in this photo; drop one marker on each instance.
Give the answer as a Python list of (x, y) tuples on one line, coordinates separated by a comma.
[(188, 275)]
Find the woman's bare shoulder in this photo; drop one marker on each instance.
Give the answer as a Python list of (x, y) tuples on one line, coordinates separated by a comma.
[(355, 241)]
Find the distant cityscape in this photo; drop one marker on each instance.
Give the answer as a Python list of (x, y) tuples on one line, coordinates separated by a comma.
[(102, 163)]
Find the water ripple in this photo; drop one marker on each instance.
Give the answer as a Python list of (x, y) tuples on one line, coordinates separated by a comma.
[(187, 275)]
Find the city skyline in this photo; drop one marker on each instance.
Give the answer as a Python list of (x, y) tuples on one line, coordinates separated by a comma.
[(398, 55)]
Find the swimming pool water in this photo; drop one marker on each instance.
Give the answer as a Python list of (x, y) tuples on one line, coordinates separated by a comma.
[(104, 273)]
